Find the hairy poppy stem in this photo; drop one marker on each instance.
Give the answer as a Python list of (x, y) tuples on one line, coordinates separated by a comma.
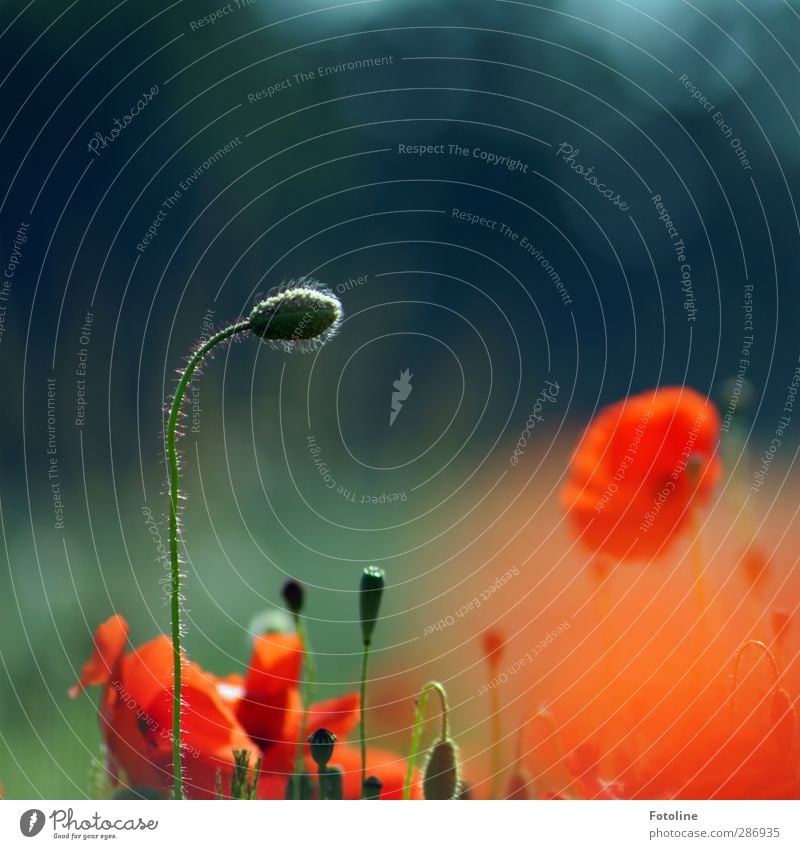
[(766, 650), (418, 722), (175, 571), (299, 316)]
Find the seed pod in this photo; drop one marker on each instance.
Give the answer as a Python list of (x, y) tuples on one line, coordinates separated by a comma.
[(441, 778), (321, 743), (300, 316)]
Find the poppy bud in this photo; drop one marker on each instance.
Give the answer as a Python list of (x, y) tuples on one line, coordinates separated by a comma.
[(493, 642), (372, 787), (300, 315), (321, 743), (780, 621), (293, 594), (373, 581), (441, 778)]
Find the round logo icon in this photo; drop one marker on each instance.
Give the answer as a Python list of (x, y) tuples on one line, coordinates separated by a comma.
[(31, 822)]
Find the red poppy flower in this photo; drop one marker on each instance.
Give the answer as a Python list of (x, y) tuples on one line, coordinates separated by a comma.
[(136, 714), (638, 470), (260, 713)]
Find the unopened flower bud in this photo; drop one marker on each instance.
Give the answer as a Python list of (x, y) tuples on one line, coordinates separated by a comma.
[(441, 778), (294, 594), (373, 581), (302, 315), (372, 787)]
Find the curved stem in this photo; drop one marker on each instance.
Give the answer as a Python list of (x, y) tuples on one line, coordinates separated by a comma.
[(765, 649), (412, 755), (175, 572)]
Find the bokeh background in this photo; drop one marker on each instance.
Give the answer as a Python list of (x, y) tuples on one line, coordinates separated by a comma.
[(316, 181)]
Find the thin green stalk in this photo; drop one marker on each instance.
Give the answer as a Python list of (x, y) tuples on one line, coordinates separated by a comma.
[(496, 726), (363, 724), (175, 577), (308, 698), (412, 755)]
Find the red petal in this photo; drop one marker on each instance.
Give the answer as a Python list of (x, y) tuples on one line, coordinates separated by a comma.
[(109, 644)]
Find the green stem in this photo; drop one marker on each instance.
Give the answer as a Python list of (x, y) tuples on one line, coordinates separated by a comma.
[(175, 577), (496, 727), (363, 723), (308, 698), (412, 755)]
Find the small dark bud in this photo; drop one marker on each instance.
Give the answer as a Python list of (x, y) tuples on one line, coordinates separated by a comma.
[(294, 594), (441, 777), (372, 787), (321, 743), (493, 643), (373, 581)]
